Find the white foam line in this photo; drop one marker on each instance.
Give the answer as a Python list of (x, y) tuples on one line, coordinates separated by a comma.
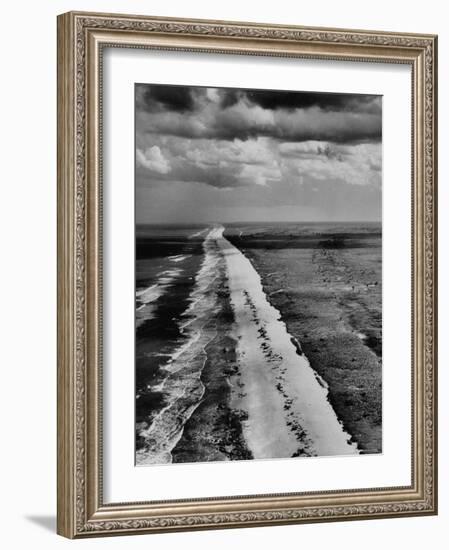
[(275, 374), (182, 388), (148, 296), (178, 258), (199, 233)]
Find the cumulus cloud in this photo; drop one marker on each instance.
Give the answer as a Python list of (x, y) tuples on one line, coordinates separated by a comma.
[(221, 164), (153, 160), (353, 164), (264, 161), (319, 153)]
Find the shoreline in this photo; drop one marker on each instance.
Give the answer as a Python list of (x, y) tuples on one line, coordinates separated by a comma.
[(276, 362), (214, 431), (181, 385)]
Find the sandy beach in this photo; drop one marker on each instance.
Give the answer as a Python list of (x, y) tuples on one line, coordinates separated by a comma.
[(267, 365), (331, 301), (286, 401)]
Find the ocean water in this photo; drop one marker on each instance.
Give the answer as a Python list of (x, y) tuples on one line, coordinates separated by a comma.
[(179, 273), (175, 269)]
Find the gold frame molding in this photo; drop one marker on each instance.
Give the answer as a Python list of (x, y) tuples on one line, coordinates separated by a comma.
[(81, 38)]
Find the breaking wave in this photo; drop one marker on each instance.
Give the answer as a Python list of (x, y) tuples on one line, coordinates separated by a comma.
[(182, 387)]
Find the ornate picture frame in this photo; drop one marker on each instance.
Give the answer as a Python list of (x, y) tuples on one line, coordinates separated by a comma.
[(82, 38)]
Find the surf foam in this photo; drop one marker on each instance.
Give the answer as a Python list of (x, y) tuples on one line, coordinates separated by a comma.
[(182, 387), (146, 298)]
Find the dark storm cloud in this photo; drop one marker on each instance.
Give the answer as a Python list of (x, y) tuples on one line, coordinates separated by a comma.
[(271, 99), (230, 114), (229, 97), (232, 154), (171, 98), (182, 98), (243, 123)]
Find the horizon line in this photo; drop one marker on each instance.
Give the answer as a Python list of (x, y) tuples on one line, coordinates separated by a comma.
[(256, 221)]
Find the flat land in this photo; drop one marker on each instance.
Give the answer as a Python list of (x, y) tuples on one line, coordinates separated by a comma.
[(330, 298)]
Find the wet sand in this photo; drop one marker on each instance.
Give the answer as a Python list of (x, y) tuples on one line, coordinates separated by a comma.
[(214, 431)]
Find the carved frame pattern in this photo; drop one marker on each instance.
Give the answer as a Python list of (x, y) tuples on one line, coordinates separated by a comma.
[(81, 37)]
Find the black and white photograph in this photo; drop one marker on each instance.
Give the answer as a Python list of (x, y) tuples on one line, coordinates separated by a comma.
[(258, 274)]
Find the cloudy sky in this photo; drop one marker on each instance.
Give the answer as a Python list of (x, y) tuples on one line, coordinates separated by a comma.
[(223, 155)]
